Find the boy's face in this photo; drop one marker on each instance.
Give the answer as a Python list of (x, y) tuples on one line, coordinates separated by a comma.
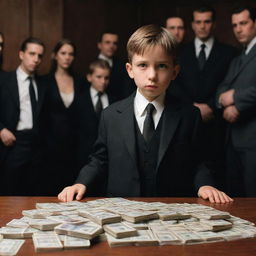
[(31, 57), (152, 72), (99, 79)]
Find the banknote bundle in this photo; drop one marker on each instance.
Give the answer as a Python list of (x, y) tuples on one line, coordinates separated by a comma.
[(120, 230), (87, 230), (46, 242), (10, 247)]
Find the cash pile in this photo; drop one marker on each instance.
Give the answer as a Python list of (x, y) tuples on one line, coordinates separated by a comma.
[(121, 222)]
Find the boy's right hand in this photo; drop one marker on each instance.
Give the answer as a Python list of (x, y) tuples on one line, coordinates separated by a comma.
[(68, 193)]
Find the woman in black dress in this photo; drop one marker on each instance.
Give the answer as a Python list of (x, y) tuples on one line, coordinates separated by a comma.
[(60, 119)]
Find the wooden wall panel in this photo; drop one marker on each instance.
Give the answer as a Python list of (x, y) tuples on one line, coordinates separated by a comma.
[(83, 20), (14, 23), (47, 24)]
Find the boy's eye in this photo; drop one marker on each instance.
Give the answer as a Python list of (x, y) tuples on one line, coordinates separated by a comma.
[(142, 65), (162, 66)]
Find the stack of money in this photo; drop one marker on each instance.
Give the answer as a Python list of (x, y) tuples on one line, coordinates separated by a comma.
[(36, 213), (100, 217), (172, 215), (46, 242), (87, 230), (217, 225), (10, 247), (136, 216), (75, 242), (120, 230), (43, 224)]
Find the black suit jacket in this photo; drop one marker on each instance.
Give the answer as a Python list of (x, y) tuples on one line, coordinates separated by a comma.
[(194, 85), (88, 125), (115, 155), (242, 78), (10, 105)]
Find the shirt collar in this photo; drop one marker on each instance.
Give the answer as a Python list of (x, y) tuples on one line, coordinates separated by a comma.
[(94, 92), (208, 43), (109, 60), (250, 45), (22, 75), (141, 103)]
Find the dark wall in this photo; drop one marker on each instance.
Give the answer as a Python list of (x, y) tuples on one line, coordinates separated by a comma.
[(83, 20)]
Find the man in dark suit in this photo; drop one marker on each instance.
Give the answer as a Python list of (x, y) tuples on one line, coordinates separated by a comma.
[(146, 142), (204, 63), (21, 95), (237, 97), (120, 84)]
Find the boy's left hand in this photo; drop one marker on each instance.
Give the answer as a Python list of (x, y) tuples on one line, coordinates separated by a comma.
[(213, 195)]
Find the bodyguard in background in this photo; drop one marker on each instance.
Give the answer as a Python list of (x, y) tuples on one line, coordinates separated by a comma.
[(204, 63), (120, 85), (21, 97), (237, 97), (1, 50)]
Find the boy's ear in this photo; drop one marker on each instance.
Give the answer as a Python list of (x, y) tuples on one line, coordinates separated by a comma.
[(176, 71), (129, 70), (88, 76)]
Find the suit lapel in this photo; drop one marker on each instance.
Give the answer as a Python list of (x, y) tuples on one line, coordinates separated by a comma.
[(170, 122), (126, 111), (13, 88), (247, 59)]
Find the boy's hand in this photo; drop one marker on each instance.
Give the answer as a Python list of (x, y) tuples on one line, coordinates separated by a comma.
[(214, 195), (68, 193)]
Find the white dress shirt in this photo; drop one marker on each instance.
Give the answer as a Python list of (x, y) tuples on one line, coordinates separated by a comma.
[(94, 97), (140, 104), (26, 117), (208, 46), (108, 60), (250, 45)]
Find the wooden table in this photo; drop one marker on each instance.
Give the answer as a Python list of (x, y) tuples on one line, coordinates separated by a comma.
[(11, 207)]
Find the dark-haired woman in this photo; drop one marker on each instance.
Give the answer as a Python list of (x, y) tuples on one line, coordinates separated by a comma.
[(60, 120)]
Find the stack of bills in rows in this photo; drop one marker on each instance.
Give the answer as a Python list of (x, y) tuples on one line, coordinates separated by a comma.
[(75, 242), (119, 230), (46, 242), (100, 217), (10, 232), (217, 225), (144, 237), (136, 216), (87, 230), (10, 246), (43, 224)]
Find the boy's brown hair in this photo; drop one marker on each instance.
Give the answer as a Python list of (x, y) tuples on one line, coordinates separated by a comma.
[(149, 36), (98, 64)]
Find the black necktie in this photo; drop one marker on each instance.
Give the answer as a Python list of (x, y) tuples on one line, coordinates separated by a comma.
[(32, 95), (98, 107), (242, 57), (148, 127), (202, 57)]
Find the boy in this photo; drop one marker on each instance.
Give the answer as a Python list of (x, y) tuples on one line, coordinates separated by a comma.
[(94, 100), (146, 143)]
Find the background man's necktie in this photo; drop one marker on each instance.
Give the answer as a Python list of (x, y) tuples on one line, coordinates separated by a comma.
[(202, 57), (98, 107), (148, 127), (32, 95)]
